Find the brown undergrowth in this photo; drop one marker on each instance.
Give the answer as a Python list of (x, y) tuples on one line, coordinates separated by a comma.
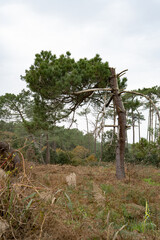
[(37, 203)]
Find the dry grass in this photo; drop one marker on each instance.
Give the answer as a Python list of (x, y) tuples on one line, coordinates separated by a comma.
[(38, 204)]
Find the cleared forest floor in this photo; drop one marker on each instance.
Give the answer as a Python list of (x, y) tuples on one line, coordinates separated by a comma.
[(40, 204)]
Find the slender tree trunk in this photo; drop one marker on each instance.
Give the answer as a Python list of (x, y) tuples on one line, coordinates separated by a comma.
[(133, 132), (151, 102), (120, 151), (36, 145), (88, 136), (126, 131), (139, 127), (150, 116), (114, 120), (156, 130), (133, 123), (103, 123), (87, 123), (152, 122), (148, 129), (151, 127), (133, 128), (95, 137), (114, 123), (101, 154), (96, 133), (95, 144), (47, 149), (126, 140), (54, 146)]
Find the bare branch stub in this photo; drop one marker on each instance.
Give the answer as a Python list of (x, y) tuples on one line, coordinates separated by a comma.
[(111, 125), (111, 98), (122, 73)]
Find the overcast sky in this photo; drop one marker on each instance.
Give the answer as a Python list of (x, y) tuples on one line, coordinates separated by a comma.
[(126, 33)]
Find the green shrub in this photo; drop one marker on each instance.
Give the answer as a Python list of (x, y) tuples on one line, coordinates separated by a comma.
[(77, 161), (80, 152), (91, 158), (144, 152), (60, 157)]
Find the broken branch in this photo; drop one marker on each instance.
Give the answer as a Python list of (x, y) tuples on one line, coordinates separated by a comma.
[(93, 90)]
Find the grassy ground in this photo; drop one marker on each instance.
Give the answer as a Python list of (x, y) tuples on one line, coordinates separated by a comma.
[(41, 205)]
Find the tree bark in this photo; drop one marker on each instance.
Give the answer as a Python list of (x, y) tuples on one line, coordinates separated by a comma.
[(120, 151), (114, 123)]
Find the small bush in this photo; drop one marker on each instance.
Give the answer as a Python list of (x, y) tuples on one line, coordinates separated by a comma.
[(91, 158), (80, 152), (77, 161), (60, 157)]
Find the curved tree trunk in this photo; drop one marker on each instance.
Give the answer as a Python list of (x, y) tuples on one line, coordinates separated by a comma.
[(120, 151)]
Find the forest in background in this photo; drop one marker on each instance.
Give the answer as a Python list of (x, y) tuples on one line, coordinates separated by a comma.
[(71, 146)]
